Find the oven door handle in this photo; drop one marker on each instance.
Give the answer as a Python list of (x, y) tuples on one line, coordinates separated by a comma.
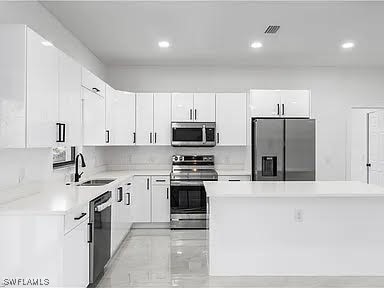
[(204, 134), (187, 183), (103, 206)]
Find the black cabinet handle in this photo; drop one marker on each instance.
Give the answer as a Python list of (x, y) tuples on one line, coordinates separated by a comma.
[(120, 194), (129, 184), (155, 137), (160, 180), (63, 125), (107, 136), (128, 199), (90, 233), (147, 183), (190, 114), (95, 89), (278, 109), (282, 108), (195, 114), (218, 137), (167, 193), (81, 216), (234, 180), (60, 132), (134, 137), (368, 164), (150, 137)]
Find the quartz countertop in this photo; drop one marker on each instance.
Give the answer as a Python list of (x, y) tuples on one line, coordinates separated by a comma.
[(55, 197), (247, 189)]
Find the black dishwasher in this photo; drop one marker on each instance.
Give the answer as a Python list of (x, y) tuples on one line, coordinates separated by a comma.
[(99, 235)]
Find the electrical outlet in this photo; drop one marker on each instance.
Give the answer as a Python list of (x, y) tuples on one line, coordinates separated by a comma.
[(299, 215)]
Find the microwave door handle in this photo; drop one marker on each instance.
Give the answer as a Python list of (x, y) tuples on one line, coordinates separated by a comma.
[(204, 135)]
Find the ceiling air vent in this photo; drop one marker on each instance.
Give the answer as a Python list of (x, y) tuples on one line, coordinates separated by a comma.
[(272, 29)]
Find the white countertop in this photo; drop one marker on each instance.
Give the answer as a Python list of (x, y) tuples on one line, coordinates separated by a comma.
[(54, 197), (246, 189)]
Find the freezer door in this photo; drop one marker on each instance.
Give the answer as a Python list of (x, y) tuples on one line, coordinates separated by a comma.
[(300, 150), (268, 149)]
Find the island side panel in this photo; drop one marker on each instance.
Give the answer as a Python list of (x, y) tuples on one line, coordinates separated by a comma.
[(296, 236)]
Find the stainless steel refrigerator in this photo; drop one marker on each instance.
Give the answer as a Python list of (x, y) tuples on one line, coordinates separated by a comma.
[(283, 149)]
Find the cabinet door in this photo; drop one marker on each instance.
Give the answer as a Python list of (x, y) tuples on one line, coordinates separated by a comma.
[(141, 199), (93, 118), (231, 119), (76, 256), (12, 88), (295, 103), (70, 99), (42, 91), (162, 118), (120, 121), (92, 82), (204, 107), (182, 107), (160, 203), (265, 103), (144, 119)]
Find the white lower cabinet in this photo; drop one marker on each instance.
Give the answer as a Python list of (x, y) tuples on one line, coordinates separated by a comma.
[(141, 199), (150, 199), (76, 256), (160, 199)]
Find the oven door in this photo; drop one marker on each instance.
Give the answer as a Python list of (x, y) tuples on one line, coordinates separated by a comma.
[(188, 205)]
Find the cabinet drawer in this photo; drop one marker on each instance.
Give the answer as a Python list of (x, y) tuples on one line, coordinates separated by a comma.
[(92, 82), (235, 178), (160, 180), (75, 217)]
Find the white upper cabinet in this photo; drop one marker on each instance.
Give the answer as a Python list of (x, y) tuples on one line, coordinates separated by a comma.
[(182, 107), (280, 103), (120, 117), (162, 118), (193, 107), (42, 91), (12, 88), (144, 119), (265, 103), (295, 103), (204, 107), (69, 119), (231, 119), (93, 118), (92, 82)]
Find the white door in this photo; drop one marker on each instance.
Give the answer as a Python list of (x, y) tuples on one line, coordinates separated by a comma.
[(295, 103), (42, 91), (93, 118), (12, 87), (204, 107), (231, 119), (376, 148), (265, 103), (70, 99), (141, 199), (162, 118), (182, 107), (160, 203), (144, 119), (76, 256)]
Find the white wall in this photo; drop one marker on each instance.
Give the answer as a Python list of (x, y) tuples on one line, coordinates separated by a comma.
[(334, 92), (33, 14), (22, 165)]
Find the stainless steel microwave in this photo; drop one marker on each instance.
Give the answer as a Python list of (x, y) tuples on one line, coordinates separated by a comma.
[(195, 134)]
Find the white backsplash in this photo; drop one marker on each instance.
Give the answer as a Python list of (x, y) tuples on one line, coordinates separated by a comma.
[(160, 157)]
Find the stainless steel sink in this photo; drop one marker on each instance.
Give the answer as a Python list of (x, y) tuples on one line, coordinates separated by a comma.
[(96, 182)]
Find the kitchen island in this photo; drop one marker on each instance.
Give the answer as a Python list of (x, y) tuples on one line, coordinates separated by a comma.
[(295, 228)]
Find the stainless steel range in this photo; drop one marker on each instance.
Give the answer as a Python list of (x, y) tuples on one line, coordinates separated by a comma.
[(188, 197)]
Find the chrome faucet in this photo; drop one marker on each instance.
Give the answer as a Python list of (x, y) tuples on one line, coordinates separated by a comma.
[(77, 175)]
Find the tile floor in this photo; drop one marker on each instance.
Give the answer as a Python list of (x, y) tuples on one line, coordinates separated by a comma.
[(163, 258)]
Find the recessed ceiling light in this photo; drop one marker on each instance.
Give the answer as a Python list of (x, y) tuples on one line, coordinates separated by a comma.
[(164, 44), (257, 45), (348, 45), (46, 43)]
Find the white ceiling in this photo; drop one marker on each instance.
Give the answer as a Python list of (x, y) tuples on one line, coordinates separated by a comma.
[(220, 33)]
